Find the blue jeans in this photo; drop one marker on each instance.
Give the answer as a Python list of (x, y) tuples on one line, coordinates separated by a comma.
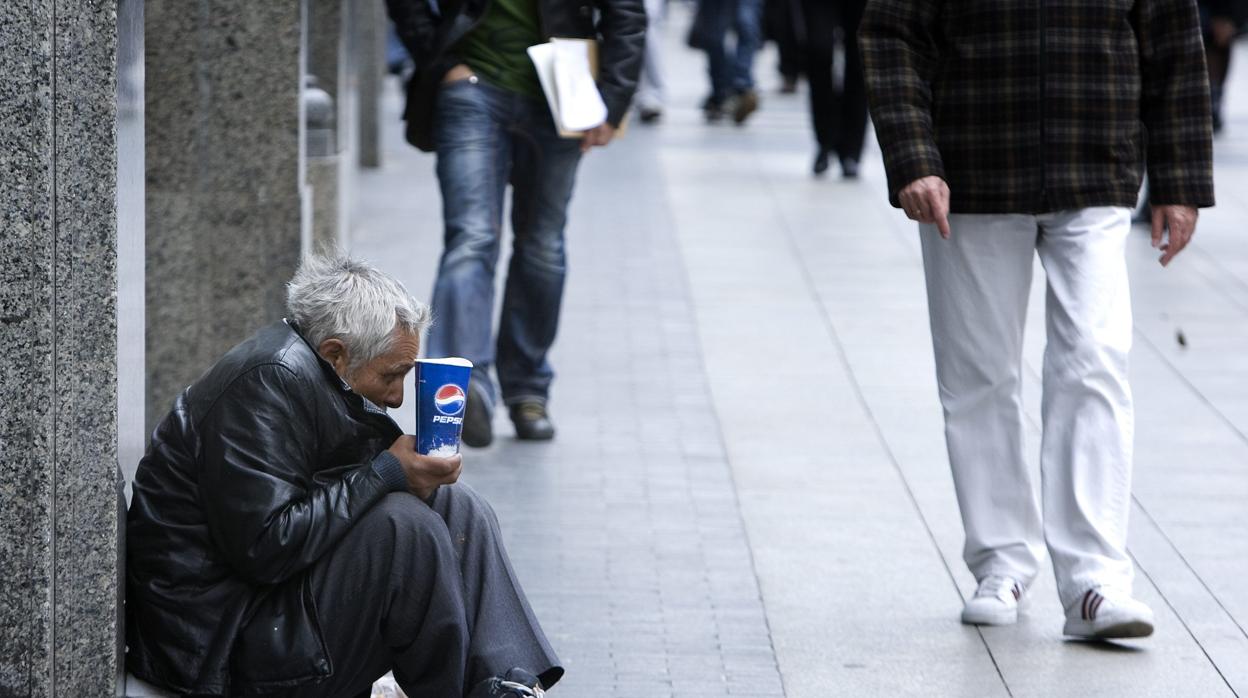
[(487, 138), (732, 71)]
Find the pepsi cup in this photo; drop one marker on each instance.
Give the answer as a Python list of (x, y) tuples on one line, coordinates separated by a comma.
[(441, 394)]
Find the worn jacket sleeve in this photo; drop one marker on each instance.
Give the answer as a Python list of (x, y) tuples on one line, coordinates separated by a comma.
[(265, 511), (1174, 103), (622, 26), (899, 55)]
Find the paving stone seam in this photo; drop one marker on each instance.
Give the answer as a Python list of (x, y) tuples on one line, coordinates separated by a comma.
[(1179, 553), (686, 294), (860, 397), (1179, 616)]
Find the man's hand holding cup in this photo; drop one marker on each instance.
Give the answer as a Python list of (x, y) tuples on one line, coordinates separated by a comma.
[(425, 473)]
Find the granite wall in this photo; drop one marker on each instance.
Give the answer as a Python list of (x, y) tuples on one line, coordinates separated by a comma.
[(224, 179), (58, 380)]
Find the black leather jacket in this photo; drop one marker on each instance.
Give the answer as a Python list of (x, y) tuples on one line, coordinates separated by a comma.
[(430, 37), (261, 467)]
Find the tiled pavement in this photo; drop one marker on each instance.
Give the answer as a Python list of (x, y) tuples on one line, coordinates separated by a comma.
[(749, 493)]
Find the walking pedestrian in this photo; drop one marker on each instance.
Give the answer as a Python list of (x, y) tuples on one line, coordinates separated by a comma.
[(651, 91), (1221, 21), (476, 101), (783, 23), (1019, 127), (838, 103), (731, 71)]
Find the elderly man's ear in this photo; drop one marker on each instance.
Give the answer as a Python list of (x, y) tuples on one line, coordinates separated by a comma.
[(335, 352)]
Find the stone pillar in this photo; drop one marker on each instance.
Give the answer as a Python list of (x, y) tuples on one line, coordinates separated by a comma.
[(59, 564), (323, 164), (370, 27), (131, 374), (328, 179), (224, 179)]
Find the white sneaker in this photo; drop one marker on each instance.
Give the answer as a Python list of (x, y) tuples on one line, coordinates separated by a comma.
[(995, 602), (1103, 614)]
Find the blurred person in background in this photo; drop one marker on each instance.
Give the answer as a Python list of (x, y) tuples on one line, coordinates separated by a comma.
[(1220, 22), (476, 101), (731, 71), (783, 23), (1018, 128), (838, 103), (651, 90)]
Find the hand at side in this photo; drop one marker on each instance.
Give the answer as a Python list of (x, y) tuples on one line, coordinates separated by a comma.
[(926, 200), (1179, 225)]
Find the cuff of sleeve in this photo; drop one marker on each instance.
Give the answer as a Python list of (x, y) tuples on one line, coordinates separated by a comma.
[(617, 106), (904, 172), (1194, 192), (390, 471)]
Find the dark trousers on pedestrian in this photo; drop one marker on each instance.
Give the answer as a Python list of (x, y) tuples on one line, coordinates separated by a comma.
[(425, 590), (838, 109), (785, 25), (731, 71)]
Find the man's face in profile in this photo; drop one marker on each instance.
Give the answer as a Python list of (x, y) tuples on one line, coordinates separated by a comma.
[(379, 380)]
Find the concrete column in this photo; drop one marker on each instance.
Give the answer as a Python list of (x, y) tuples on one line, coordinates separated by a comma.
[(370, 27), (59, 565), (224, 179), (328, 178)]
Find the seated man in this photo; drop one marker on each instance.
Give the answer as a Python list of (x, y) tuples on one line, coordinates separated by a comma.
[(285, 538)]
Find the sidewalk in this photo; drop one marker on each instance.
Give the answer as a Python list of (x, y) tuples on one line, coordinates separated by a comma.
[(749, 494)]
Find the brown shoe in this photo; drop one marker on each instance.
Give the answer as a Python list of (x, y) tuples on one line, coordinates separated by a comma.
[(532, 422), (743, 105)]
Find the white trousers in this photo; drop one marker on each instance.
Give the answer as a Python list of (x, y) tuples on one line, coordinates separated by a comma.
[(977, 289), (650, 88)]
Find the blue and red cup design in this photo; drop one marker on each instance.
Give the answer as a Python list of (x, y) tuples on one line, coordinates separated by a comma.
[(441, 396)]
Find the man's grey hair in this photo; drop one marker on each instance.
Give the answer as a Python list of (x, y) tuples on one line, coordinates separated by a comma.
[(334, 296)]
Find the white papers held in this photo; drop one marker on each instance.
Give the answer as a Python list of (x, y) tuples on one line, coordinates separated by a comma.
[(566, 68)]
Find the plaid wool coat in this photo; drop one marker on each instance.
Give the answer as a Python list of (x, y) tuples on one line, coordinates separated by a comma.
[(1030, 106)]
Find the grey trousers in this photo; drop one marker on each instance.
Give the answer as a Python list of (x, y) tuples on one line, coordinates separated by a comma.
[(425, 590)]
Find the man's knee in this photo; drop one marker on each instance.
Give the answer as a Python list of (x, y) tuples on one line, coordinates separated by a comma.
[(470, 243), (405, 525), (460, 502)]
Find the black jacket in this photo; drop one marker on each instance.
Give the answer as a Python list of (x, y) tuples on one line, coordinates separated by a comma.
[(261, 467), (430, 37)]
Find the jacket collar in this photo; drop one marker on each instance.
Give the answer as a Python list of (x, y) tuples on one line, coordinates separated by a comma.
[(334, 378)]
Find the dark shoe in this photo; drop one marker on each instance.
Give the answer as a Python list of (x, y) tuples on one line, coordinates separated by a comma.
[(478, 420), (649, 115), (516, 683), (712, 109), (849, 168), (821, 162), (744, 104), (532, 422)]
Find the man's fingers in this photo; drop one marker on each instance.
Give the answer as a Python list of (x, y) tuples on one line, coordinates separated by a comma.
[(1178, 239), (906, 199), (923, 209), (1178, 223), (453, 476), (940, 210), (442, 467)]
